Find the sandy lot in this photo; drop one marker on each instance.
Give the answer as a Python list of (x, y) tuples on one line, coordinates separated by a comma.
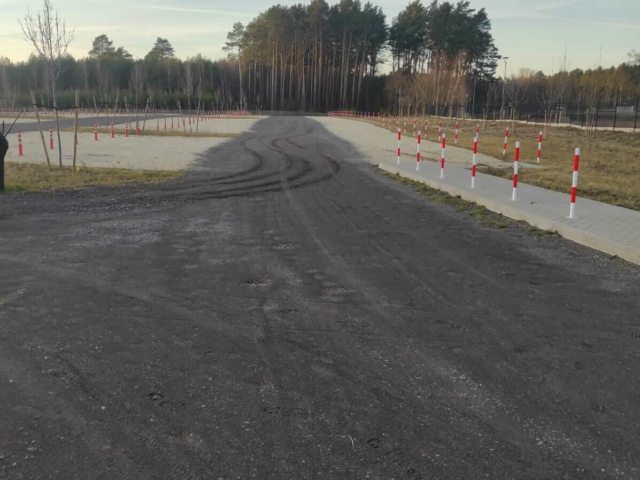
[(217, 125), (137, 152), (380, 144)]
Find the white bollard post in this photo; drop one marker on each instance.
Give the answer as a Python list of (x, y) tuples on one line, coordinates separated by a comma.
[(574, 184), (442, 157), (418, 153), (475, 162), (506, 136), (539, 147), (516, 167)]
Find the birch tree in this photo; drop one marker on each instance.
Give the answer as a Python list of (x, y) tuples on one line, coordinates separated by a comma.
[(47, 33)]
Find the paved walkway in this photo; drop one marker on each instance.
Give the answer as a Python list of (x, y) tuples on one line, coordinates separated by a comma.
[(614, 230)]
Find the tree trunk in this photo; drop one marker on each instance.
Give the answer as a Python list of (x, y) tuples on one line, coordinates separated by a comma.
[(55, 107)]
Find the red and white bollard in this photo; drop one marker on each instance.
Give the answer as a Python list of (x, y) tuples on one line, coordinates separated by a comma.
[(171, 123), (574, 184), (398, 162), (20, 151), (539, 148), (113, 135), (456, 138), (126, 128), (397, 122), (475, 162), (414, 127), (418, 153), (95, 131), (405, 125), (506, 137), (478, 130), (442, 157), (439, 130), (165, 124), (50, 137), (516, 168)]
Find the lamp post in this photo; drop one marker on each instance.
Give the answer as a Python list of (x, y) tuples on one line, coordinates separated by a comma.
[(504, 82)]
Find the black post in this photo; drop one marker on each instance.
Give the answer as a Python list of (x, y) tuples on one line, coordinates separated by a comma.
[(635, 120), (615, 109), (4, 146)]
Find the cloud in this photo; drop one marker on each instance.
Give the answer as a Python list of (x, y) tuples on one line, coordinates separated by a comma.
[(634, 26), (539, 14), (98, 28), (558, 5), (227, 13)]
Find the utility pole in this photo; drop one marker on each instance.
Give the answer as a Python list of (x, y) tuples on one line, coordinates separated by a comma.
[(504, 83)]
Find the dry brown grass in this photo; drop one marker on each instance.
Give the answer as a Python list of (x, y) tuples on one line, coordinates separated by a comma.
[(30, 177), (154, 133), (609, 166), (29, 117)]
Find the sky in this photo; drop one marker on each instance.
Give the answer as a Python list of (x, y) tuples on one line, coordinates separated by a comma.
[(533, 34)]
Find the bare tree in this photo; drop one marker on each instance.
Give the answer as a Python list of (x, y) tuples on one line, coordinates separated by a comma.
[(454, 86), (49, 37), (189, 87), (554, 91), (492, 97), (634, 56), (551, 96), (592, 97), (517, 89), (137, 82)]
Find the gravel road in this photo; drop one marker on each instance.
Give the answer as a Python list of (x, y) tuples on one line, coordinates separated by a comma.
[(285, 312)]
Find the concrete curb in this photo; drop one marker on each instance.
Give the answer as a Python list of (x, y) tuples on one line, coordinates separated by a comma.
[(629, 253)]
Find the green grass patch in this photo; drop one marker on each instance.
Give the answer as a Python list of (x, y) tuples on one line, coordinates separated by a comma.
[(29, 177), (537, 232)]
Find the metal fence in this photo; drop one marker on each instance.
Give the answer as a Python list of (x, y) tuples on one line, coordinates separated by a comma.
[(612, 114)]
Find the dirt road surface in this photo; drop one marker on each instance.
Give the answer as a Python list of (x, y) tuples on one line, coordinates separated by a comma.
[(285, 312)]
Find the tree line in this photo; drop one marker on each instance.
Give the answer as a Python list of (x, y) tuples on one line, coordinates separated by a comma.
[(107, 73), (314, 57), (318, 57)]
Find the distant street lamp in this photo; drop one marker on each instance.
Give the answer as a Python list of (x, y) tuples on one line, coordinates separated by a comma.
[(504, 82)]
